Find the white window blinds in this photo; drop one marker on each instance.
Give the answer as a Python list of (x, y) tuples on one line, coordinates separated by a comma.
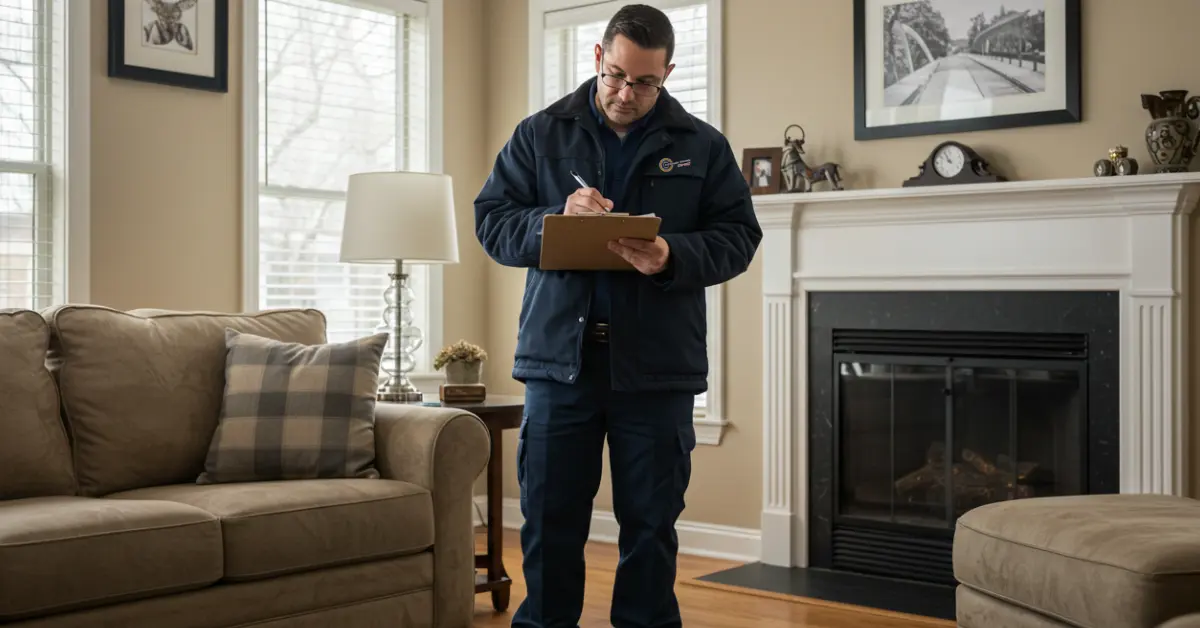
[(571, 35), (31, 50), (343, 88)]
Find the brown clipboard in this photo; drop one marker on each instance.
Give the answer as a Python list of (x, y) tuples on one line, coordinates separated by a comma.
[(580, 242)]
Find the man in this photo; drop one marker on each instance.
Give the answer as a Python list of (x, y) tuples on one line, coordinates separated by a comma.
[(616, 354)]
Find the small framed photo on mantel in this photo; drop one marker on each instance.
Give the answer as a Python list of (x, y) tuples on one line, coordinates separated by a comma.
[(760, 167), (928, 67), (184, 43)]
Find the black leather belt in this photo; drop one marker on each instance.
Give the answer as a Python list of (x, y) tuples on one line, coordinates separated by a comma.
[(597, 332)]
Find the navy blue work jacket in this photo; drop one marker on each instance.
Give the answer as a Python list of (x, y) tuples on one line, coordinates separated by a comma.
[(685, 173)]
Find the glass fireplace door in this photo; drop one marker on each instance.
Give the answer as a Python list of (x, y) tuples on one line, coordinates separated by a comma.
[(922, 440)]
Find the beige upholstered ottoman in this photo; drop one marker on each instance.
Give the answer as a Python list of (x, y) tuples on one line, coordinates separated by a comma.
[(1125, 561)]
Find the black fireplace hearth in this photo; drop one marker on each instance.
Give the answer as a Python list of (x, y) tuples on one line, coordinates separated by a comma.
[(924, 405)]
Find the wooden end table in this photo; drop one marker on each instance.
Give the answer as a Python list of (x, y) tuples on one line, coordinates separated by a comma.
[(499, 413)]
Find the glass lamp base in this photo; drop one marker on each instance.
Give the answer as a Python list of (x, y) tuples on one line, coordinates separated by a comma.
[(404, 339), (398, 390)]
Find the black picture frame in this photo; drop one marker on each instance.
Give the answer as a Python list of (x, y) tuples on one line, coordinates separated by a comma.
[(1071, 112), (119, 68)]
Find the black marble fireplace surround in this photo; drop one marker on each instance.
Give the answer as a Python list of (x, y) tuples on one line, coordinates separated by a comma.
[(1019, 390)]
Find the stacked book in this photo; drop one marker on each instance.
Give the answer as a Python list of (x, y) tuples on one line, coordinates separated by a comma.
[(462, 393)]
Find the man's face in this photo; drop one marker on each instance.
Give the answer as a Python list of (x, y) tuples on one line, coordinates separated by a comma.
[(626, 61)]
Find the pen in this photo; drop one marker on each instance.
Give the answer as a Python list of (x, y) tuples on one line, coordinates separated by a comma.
[(580, 180)]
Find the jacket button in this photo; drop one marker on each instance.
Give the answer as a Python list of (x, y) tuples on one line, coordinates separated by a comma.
[(571, 377), (581, 319)]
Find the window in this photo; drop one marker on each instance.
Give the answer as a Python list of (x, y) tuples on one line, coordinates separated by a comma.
[(34, 195), (571, 34), (563, 35), (339, 87)]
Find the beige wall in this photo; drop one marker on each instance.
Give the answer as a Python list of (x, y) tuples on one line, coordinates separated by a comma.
[(166, 181), (166, 222), (810, 82), (166, 186)]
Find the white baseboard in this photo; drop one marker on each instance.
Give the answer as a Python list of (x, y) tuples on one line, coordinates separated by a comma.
[(696, 539)]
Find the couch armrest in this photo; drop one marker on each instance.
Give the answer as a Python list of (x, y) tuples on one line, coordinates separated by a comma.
[(443, 450)]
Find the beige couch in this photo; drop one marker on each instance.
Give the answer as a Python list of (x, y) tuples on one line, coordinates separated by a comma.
[(102, 523), (1094, 561)]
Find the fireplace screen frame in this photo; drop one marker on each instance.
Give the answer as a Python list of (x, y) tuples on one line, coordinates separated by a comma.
[(947, 364), (1093, 314)]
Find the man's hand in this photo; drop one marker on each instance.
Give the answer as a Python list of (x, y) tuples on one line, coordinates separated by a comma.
[(587, 201), (649, 258)]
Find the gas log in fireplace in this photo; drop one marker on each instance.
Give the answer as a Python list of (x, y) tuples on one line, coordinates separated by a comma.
[(924, 405)]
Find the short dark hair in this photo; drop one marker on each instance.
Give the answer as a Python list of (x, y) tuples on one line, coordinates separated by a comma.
[(645, 26)]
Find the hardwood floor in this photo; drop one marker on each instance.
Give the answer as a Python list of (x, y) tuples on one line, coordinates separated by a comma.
[(702, 607)]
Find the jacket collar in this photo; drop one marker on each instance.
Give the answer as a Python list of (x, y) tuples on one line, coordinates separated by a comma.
[(667, 111)]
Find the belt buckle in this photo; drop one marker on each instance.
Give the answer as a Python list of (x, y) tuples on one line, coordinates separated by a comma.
[(600, 332)]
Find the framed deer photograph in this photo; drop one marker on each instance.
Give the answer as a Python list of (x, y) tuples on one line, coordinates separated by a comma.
[(184, 43)]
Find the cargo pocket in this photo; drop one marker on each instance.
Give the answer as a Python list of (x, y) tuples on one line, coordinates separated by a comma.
[(686, 437), (521, 435)]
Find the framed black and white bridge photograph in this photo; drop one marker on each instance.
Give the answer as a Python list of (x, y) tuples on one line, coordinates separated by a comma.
[(927, 67), (184, 43)]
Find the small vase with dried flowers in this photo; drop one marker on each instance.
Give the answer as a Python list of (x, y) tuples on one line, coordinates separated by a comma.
[(463, 362)]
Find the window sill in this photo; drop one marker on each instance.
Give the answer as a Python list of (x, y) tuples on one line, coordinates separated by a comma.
[(709, 431)]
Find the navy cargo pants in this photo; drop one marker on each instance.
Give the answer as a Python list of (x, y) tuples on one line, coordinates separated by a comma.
[(559, 460)]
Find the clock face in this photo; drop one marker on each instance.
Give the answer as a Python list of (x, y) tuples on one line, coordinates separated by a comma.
[(949, 161)]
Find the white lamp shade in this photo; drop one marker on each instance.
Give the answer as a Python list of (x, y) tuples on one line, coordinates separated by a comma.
[(405, 216)]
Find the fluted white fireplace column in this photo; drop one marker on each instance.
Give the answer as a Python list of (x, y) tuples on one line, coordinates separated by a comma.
[(1130, 235), (781, 438)]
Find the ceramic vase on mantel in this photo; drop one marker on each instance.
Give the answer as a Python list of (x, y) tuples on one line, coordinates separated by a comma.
[(1171, 137), (460, 373)]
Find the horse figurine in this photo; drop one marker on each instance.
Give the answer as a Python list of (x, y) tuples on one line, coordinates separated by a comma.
[(798, 176)]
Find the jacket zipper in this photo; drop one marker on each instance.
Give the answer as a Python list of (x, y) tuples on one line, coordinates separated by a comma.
[(599, 186), (600, 168)]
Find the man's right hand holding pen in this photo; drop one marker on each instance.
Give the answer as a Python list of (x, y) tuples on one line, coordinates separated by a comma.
[(586, 200)]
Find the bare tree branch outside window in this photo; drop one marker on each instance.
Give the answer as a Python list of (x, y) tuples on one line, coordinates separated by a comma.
[(331, 104)]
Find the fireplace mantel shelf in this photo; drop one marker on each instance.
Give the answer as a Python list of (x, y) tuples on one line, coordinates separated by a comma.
[(1157, 193), (1126, 235), (1084, 185)]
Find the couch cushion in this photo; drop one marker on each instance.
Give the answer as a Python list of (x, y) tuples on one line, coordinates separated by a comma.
[(1097, 560), (294, 411), (142, 389), (272, 528), (283, 601), (58, 553), (978, 610), (35, 457)]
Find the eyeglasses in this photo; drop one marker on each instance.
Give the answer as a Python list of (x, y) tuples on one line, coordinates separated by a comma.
[(617, 81)]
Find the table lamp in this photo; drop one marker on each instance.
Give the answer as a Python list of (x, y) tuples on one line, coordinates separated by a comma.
[(397, 218)]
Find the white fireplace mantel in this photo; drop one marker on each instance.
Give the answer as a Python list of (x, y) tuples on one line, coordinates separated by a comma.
[(1125, 234)]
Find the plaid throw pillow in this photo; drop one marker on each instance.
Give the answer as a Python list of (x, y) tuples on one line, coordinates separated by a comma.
[(295, 411)]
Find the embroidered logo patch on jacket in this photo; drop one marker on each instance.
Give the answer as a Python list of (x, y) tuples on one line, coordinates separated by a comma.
[(667, 165)]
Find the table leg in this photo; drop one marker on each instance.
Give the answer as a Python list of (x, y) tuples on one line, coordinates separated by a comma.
[(495, 523)]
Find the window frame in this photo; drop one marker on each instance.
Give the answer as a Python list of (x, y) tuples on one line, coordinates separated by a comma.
[(710, 420), (426, 381), (62, 174)]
